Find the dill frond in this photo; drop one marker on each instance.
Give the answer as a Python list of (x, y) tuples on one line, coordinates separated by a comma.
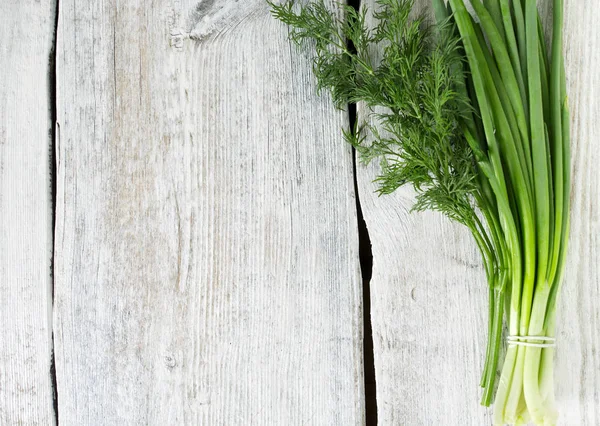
[(415, 84)]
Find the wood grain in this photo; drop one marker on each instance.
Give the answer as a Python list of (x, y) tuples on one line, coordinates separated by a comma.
[(206, 262), (578, 325), (26, 37), (428, 291)]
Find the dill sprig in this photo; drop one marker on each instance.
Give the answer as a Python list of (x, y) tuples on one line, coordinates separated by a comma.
[(413, 88)]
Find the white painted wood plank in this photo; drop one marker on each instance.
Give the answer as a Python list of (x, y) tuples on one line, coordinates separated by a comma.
[(578, 324), (206, 260), (26, 38), (429, 294), (428, 310)]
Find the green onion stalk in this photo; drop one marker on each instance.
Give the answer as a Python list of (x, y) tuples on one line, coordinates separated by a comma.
[(472, 113), (522, 106)]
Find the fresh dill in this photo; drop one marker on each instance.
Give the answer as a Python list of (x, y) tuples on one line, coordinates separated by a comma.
[(417, 135)]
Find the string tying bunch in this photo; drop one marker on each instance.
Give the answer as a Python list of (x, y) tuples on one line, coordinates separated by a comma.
[(532, 341)]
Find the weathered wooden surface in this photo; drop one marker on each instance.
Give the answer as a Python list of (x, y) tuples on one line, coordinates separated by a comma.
[(578, 324), (26, 36), (206, 244), (428, 291)]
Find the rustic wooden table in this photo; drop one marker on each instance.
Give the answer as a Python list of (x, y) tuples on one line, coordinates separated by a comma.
[(179, 233)]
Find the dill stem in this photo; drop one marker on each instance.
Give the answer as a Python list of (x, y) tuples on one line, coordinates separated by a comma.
[(342, 46), (481, 236)]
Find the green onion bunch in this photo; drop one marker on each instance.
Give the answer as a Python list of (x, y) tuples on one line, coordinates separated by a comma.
[(471, 111)]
